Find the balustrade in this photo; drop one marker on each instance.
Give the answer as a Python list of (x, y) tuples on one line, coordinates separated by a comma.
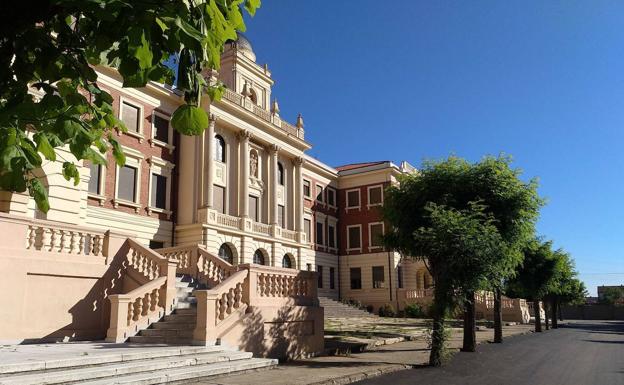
[(261, 228), (212, 269), (64, 239), (228, 220)]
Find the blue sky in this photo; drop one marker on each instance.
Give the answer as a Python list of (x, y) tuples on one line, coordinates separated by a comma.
[(409, 80)]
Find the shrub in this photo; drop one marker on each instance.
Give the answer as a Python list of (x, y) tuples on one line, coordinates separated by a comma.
[(414, 310), (386, 311), (369, 308)]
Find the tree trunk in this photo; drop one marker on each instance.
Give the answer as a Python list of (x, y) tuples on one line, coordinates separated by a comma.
[(470, 336), (538, 316), (553, 316), (559, 310), (498, 316), (546, 315), (438, 337)]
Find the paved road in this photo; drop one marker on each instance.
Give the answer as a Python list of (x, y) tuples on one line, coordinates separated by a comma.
[(582, 353)]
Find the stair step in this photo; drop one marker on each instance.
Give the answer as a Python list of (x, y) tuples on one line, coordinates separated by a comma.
[(105, 372), (174, 325), (186, 306), (189, 373), (172, 340), (184, 333), (181, 318)]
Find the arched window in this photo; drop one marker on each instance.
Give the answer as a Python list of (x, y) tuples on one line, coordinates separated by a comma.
[(280, 174), (287, 261), (219, 144), (258, 257), (225, 253), (253, 96)]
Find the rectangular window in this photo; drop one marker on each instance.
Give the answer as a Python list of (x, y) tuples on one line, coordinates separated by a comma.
[(378, 277), (94, 182), (280, 215), (331, 196), (353, 198), (307, 228), (376, 233), (159, 191), (319, 233), (354, 237), (375, 196), (332, 276), (355, 274), (130, 116), (127, 183), (331, 236), (253, 208), (306, 189), (156, 244), (161, 128), (319, 270), (319, 193), (219, 198)]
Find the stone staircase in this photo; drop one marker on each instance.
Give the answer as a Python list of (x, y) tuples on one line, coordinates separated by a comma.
[(176, 328), (336, 309), (133, 364)]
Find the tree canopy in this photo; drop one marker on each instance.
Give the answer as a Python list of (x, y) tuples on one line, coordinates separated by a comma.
[(49, 95)]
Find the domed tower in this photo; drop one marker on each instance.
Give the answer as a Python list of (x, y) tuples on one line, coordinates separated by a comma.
[(240, 72)]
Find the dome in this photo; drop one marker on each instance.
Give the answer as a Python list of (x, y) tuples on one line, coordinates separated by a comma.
[(244, 46)]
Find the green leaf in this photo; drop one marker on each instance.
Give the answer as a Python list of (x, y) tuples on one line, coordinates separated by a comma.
[(70, 171), (44, 146), (39, 193), (118, 153), (189, 120), (139, 47), (95, 157), (251, 6)]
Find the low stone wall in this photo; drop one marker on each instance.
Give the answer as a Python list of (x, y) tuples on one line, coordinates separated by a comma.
[(593, 312), (55, 280)]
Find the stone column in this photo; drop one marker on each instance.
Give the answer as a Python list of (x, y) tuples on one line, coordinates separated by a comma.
[(244, 137), (298, 217), (201, 169), (209, 162), (274, 183)]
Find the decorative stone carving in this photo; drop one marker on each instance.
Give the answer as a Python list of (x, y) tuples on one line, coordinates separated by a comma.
[(253, 164)]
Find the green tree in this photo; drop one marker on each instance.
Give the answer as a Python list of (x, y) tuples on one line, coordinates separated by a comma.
[(611, 295), (507, 204), (49, 96), (565, 288), (535, 276)]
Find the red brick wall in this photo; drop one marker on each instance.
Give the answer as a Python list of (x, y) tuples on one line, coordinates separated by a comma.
[(147, 150), (362, 216)]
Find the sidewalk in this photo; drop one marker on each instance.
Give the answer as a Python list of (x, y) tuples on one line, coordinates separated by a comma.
[(347, 369)]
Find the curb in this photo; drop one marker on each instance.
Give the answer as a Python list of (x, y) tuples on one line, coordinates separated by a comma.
[(363, 375)]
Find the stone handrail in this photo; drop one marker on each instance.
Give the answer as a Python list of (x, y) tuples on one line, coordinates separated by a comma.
[(289, 234), (211, 269), (250, 286), (61, 238), (137, 309), (261, 228), (184, 256), (228, 220), (263, 114)]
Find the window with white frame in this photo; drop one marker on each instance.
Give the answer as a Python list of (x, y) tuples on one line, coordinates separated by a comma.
[(331, 196), (331, 235), (161, 129), (254, 213), (354, 237), (96, 180), (219, 146), (307, 192), (131, 115), (353, 198), (320, 232), (375, 195), (128, 180), (281, 216), (160, 185), (319, 193), (375, 234), (307, 229)]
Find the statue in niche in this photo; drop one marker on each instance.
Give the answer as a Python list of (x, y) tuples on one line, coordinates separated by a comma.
[(253, 164)]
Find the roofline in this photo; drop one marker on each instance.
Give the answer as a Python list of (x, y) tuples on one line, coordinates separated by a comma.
[(371, 168), (320, 165)]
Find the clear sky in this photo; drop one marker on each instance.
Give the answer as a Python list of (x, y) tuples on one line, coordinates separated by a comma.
[(542, 81)]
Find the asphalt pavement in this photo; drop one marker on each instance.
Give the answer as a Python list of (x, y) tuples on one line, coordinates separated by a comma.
[(581, 353)]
